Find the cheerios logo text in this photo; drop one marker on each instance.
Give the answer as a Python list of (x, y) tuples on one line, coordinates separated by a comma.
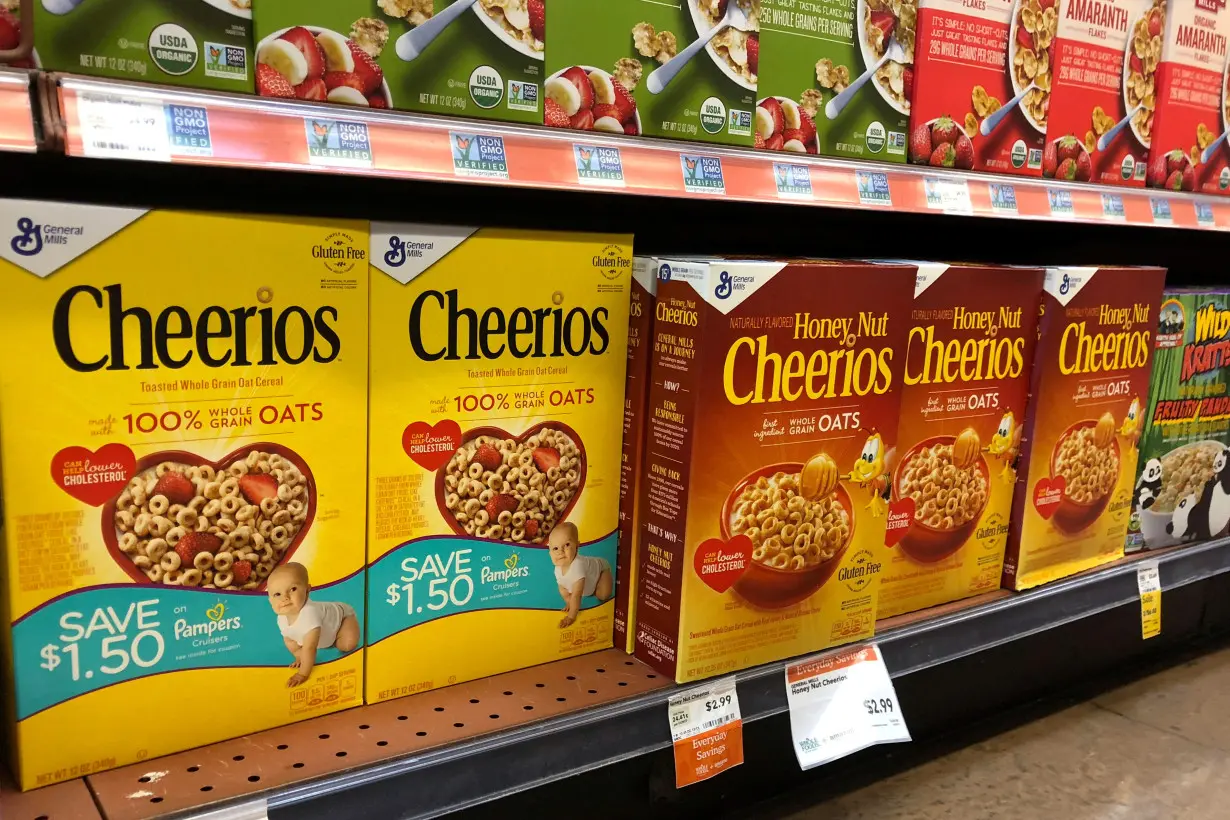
[(1083, 349), (994, 356), (487, 333), (848, 370), (173, 337)]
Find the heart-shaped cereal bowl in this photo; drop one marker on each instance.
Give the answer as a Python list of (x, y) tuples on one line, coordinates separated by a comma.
[(927, 544), (500, 433), (1073, 516), (767, 587), (111, 534)]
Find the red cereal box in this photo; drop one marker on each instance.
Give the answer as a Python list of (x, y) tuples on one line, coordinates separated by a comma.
[(1189, 124), (1101, 112), (982, 84)]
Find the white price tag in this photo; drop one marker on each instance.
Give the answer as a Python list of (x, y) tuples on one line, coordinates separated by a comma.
[(117, 127), (948, 195), (840, 703), (1149, 582), (706, 730)]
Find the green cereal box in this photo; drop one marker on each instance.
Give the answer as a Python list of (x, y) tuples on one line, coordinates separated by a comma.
[(666, 68), (474, 58), (194, 43), (837, 77), (1182, 490)]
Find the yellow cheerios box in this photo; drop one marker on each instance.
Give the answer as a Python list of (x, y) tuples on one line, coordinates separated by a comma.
[(183, 453), (498, 360)]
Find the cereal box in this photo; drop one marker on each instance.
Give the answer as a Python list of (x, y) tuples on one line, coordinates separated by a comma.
[(171, 428), (826, 86), (481, 59), (1190, 115), (773, 401), (196, 44), (1087, 390), (1102, 95), (497, 384), (982, 80), (640, 325), (1182, 490), (964, 387), (639, 67)]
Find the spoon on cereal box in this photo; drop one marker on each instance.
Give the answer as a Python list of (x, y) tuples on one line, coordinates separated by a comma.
[(414, 42), (993, 121), (1109, 137), (735, 17), (894, 53)]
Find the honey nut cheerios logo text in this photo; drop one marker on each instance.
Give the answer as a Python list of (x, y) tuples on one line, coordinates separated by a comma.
[(1083, 349), (996, 356), (847, 371), (489, 333), (217, 336)]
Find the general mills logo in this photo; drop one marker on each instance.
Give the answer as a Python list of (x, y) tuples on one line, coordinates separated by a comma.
[(724, 286), (395, 256), (29, 238), (1065, 285)]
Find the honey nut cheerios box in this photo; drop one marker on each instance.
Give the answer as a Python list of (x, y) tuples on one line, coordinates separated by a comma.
[(972, 59), (1191, 105), (1088, 389), (773, 403), (636, 394), (965, 382), (183, 452), (498, 363), (1103, 93)]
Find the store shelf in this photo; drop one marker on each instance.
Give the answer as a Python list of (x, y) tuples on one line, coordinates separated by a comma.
[(109, 119), (16, 111), (441, 751)]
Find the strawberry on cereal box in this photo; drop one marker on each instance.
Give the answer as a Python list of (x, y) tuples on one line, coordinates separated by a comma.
[(811, 98), (1186, 42), (982, 84), (1102, 97)]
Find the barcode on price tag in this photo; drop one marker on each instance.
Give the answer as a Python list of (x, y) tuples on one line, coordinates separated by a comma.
[(706, 730), (1149, 582), (840, 703), (117, 127)]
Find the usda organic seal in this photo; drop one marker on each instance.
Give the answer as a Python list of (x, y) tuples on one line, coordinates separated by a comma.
[(172, 49)]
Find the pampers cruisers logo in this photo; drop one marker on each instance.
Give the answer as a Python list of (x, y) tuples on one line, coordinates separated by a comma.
[(512, 570), (205, 632)]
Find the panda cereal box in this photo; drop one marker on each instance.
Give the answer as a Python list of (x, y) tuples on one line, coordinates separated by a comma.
[(1177, 497), (1088, 387)]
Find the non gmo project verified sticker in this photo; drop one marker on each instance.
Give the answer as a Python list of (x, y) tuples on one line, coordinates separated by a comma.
[(793, 181), (338, 142), (702, 175), (597, 165), (478, 155)]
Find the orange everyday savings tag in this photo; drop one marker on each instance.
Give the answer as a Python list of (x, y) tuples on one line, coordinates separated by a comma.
[(707, 731)]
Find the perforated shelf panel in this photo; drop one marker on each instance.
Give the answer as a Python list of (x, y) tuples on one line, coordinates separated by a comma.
[(368, 734), (63, 801)]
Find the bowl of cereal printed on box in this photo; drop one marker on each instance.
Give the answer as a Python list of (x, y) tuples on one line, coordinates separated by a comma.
[(785, 125), (1088, 459), (587, 98), (322, 65), (948, 499), (186, 521), (797, 542), (1031, 40), (736, 53), (521, 24), (1185, 471), (239, 8), (512, 488), (1140, 61), (878, 22)]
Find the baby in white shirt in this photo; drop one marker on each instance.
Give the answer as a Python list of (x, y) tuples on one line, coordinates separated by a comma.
[(307, 626), (578, 576)]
